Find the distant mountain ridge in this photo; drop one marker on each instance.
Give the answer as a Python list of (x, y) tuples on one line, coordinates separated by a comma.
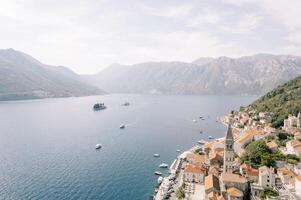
[(23, 77), (255, 74)]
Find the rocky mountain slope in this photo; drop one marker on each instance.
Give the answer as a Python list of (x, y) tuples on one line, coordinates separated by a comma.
[(23, 77), (219, 76)]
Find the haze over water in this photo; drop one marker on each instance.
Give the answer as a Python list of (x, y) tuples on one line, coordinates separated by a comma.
[(47, 147)]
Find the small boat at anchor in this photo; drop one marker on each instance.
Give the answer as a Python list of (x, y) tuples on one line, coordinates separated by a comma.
[(158, 173), (178, 150), (202, 142), (126, 104), (122, 126), (156, 155), (98, 146), (160, 179), (163, 165)]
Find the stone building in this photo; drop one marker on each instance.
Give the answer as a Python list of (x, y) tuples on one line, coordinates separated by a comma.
[(229, 154)]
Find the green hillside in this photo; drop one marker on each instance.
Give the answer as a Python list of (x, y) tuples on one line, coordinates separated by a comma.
[(282, 101)]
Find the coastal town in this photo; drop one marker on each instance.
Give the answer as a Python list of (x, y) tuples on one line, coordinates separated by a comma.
[(253, 161)]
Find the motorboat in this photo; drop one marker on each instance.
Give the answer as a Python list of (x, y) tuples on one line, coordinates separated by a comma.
[(126, 104), (122, 126), (210, 137), (163, 165), (98, 146), (202, 142), (156, 155), (158, 173), (178, 150)]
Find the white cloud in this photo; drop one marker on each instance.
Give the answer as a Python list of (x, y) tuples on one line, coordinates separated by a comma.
[(207, 16), (88, 35), (169, 11), (246, 23)]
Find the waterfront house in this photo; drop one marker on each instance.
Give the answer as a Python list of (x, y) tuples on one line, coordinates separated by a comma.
[(195, 159), (194, 174)]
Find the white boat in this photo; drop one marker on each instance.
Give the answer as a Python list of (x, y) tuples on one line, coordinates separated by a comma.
[(194, 121), (201, 141), (178, 150), (158, 173), (122, 126), (126, 104), (156, 155), (160, 179), (98, 146), (163, 165), (210, 137)]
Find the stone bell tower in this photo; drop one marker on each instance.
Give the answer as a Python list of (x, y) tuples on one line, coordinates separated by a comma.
[(228, 151)]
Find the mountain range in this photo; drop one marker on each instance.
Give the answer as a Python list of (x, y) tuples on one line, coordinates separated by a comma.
[(23, 77), (255, 74)]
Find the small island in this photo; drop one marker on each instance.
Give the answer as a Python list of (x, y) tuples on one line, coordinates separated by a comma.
[(99, 106)]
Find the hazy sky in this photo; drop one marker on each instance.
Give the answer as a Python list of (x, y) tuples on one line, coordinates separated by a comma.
[(89, 35)]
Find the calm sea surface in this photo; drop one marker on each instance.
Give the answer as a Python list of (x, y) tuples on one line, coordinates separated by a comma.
[(47, 147)]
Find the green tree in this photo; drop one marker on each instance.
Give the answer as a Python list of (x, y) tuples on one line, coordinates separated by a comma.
[(257, 154), (180, 192), (268, 192)]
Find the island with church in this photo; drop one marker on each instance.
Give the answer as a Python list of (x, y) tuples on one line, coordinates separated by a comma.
[(259, 157)]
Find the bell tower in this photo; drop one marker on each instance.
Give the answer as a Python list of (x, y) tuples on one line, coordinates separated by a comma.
[(228, 151)]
